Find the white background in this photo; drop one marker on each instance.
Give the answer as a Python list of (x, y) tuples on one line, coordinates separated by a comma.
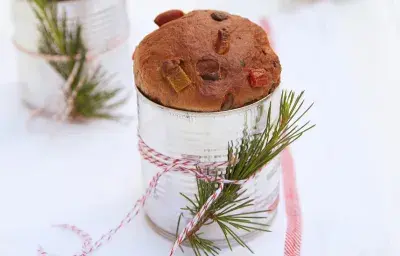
[(346, 56)]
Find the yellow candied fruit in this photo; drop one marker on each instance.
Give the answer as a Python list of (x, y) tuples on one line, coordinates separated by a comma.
[(178, 79)]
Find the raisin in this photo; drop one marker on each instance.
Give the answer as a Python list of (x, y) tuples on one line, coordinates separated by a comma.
[(223, 41)]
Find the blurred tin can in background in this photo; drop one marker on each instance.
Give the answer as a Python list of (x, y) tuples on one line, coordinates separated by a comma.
[(105, 31), (286, 5), (204, 137)]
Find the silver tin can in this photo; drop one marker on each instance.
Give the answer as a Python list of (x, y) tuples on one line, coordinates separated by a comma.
[(287, 5), (176, 134), (105, 27)]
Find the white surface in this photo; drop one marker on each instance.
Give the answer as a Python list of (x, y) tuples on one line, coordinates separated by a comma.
[(346, 58)]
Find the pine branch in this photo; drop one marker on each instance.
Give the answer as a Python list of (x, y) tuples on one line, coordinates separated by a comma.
[(231, 211), (59, 37)]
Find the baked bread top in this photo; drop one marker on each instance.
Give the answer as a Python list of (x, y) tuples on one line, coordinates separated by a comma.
[(205, 61)]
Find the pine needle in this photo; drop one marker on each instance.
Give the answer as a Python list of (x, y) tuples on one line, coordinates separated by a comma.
[(58, 37), (252, 153)]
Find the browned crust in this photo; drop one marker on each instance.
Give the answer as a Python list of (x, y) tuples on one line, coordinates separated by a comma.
[(191, 39)]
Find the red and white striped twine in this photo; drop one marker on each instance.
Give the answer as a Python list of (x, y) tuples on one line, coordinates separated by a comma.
[(166, 164), (190, 226)]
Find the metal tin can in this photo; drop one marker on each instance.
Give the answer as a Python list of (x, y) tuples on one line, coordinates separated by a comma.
[(105, 31), (287, 5), (177, 134)]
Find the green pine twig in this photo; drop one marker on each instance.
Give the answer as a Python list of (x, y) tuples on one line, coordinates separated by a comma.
[(231, 211), (62, 38)]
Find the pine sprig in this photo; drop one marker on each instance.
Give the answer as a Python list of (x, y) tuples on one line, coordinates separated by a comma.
[(231, 211), (63, 38)]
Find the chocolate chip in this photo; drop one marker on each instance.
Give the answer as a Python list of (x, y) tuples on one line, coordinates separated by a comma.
[(219, 16), (228, 102), (208, 69), (214, 76)]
